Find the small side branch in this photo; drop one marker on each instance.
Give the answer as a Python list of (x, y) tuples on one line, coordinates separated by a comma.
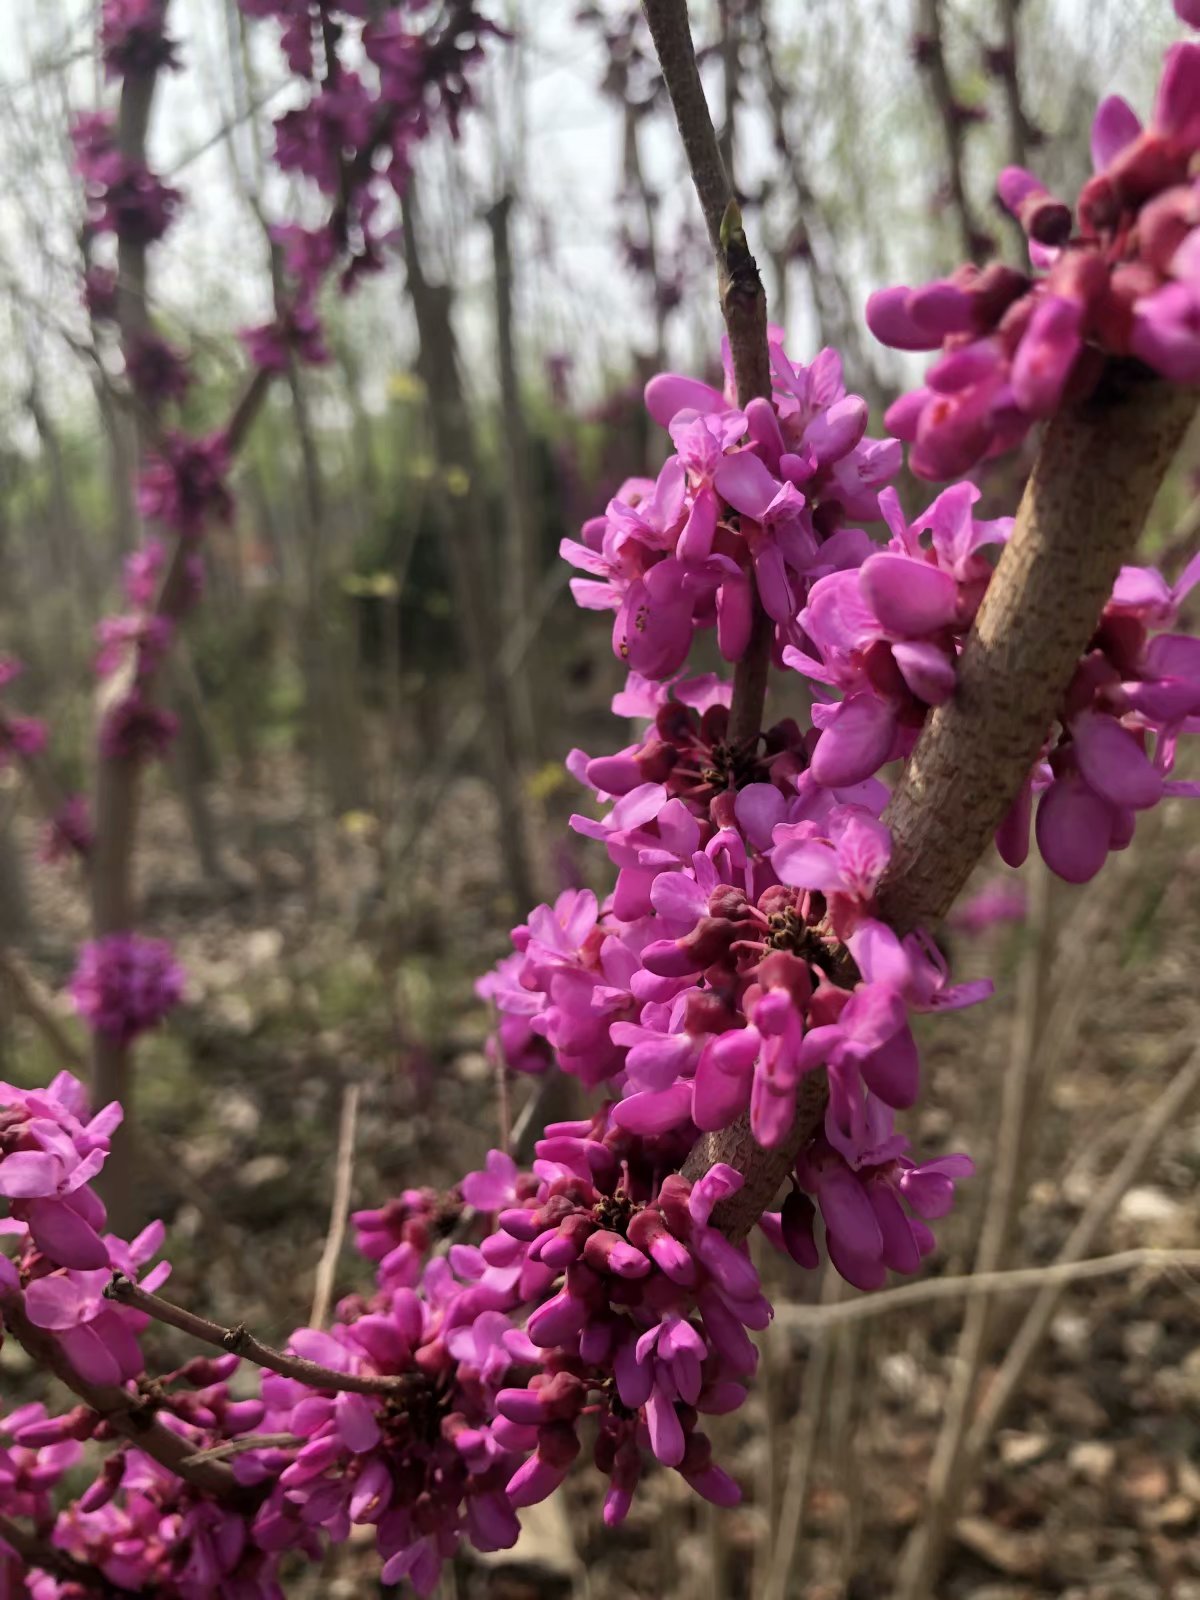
[(813, 1320), (743, 299), (39, 1008), (129, 1414), (239, 1341), (43, 1557), (339, 1206), (931, 56)]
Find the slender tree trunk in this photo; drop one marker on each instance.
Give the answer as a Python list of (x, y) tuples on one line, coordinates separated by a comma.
[(16, 918), (520, 555), (470, 559)]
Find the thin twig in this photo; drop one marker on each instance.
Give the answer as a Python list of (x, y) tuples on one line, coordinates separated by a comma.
[(241, 1342), (815, 1320), (343, 1178), (229, 1448), (922, 1555), (743, 301), (1163, 1114), (1017, 1111), (931, 55), (805, 1428), (39, 1008)]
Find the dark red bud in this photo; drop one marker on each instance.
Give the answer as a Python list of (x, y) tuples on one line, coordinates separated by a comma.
[(558, 1444)]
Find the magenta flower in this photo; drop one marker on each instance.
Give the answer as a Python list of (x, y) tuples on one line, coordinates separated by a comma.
[(185, 486), (764, 491), (98, 1337), (846, 867), (297, 334), (69, 832), (1117, 278), (48, 1156), (157, 372), (134, 729), (125, 984), (133, 37), (144, 637)]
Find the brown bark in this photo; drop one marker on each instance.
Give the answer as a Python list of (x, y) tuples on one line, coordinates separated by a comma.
[(932, 57), (468, 556), (520, 557), (1087, 500), (743, 299)]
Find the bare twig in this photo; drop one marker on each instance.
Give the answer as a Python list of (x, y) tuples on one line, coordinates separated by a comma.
[(38, 1007), (805, 1429), (814, 1320), (1016, 1111), (229, 1448), (743, 300), (1008, 68), (922, 1555), (241, 1342), (342, 1180)]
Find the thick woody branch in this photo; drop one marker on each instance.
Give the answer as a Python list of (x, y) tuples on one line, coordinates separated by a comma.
[(116, 781), (1091, 490), (129, 1414), (1087, 500), (743, 300), (239, 1341)]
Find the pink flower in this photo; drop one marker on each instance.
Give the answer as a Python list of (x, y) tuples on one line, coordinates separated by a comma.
[(124, 984)]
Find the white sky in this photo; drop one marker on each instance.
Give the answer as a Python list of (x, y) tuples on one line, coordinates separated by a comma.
[(578, 297)]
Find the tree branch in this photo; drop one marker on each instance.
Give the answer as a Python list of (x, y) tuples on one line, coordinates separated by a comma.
[(931, 57), (1087, 500), (43, 1557), (743, 299), (39, 1008), (241, 1342), (1091, 490), (1007, 61), (811, 1320), (129, 1414)]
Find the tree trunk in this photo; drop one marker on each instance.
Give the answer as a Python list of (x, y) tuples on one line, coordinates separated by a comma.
[(471, 567)]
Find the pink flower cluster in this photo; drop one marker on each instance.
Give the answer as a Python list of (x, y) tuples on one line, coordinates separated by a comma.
[(136, 1526), (887, 633), (455, 1392), (1112, 752), (125, 983), (133, 37), (759, 496), (20, 737), (125, 198), (1118, 276), (353, 138)]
